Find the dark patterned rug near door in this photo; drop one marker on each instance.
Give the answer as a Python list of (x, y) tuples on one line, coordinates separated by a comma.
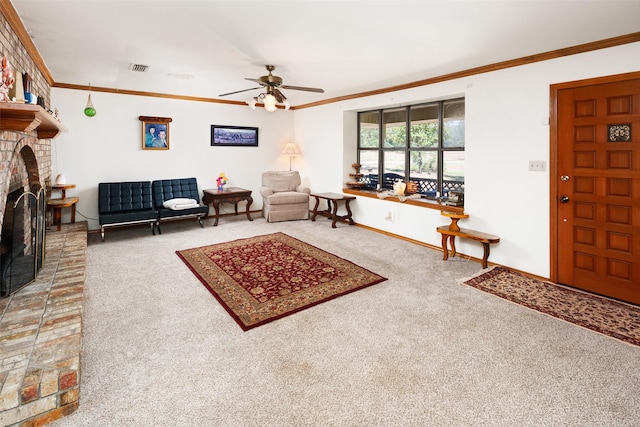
[(600, 314), (264, 278)]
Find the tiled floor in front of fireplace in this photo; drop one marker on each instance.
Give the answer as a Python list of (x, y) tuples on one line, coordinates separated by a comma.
[(41, 335)]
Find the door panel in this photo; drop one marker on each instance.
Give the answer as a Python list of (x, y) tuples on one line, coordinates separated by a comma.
[(598, 207)]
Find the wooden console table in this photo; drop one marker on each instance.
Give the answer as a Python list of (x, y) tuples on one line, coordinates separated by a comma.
[(228, 195), (56, 205), (333, 198), (449, 232)]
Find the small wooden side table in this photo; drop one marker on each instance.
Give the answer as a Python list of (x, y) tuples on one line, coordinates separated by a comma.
[(455, 217), (56, 205), (228, 195), (62, 188), (333, 199)]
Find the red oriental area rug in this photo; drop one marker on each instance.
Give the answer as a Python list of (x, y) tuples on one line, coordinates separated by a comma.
[(606, 316), (264, 278)]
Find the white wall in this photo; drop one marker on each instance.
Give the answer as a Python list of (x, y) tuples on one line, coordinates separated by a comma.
[(507, 116), (107, 147)]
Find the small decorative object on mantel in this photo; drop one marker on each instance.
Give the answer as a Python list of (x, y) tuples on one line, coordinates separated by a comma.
[(27, 84), (412, 187), (6, 81), (356, 183), (221, 181)]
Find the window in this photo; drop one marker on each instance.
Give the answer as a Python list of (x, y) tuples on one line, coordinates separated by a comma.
[(421, 143)]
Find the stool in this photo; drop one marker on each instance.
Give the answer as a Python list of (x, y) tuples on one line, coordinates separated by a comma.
[(57, 204)]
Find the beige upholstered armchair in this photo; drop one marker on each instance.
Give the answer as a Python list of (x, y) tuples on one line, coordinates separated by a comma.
[(283, 196)]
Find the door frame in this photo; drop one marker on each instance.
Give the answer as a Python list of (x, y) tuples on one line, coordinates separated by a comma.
[(553, 155)]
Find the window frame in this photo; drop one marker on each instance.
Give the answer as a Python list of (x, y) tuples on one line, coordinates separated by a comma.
[(425, 190)]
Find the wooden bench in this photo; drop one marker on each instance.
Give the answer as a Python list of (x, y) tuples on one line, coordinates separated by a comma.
[(449, 232)]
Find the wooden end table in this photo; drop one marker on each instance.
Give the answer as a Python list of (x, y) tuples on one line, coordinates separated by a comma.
[(57, 204), (62, 188), (233, 195), (333, 199)]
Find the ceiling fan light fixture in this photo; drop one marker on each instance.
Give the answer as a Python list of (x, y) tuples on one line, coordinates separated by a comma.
[(273, 97), (269, 101)]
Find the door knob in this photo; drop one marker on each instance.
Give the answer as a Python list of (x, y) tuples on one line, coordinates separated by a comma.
[(564, 199)]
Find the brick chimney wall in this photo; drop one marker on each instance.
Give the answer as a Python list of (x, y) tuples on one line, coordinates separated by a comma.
[(25, 160), (19, 59)]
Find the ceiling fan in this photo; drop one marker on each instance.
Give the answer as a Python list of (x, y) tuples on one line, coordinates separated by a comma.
[(271, 83)]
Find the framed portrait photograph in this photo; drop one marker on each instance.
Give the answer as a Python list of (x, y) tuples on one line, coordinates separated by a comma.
[(234, 136), (155, 133)]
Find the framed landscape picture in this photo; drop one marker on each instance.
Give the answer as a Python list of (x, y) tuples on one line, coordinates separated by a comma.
[(155, 133), (234, 136)]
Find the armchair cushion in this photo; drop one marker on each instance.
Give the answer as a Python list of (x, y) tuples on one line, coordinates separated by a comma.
[(288, 197)]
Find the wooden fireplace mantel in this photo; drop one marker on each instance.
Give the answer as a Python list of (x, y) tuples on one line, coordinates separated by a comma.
[(29, 117)]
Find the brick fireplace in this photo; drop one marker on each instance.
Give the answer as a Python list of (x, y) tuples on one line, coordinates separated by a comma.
[(25, 174), (40, 323)]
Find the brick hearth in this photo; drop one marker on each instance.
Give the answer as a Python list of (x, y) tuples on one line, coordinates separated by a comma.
[(41, 335)]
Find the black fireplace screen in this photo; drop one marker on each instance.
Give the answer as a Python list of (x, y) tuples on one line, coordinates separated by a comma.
[(23, 240)]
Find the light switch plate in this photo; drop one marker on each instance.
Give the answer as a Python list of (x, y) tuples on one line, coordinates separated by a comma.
[(537, 165)]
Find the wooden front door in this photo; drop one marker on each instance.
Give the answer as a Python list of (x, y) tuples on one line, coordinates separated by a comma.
[(596, 187)]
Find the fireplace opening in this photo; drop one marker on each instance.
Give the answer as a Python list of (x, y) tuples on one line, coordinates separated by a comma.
[(23, 240)]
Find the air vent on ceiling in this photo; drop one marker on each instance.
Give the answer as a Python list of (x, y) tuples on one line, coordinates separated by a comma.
[(139, 68)]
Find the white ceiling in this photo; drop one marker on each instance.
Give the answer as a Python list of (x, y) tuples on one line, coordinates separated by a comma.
[(344, 47)]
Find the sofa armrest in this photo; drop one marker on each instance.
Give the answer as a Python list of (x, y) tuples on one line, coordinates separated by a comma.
[(266, 191), (303, 189)]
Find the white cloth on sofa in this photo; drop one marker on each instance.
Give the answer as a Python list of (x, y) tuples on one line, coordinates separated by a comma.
[(180, 203)]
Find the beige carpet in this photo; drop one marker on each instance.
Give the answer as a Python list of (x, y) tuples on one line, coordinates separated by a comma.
[(419, 349)]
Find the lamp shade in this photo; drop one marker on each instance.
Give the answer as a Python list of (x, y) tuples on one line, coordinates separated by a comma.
[(291, 150)]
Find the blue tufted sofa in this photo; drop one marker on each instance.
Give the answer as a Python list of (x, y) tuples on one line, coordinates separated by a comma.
[(139, 202), (123, 203), (183, 188)]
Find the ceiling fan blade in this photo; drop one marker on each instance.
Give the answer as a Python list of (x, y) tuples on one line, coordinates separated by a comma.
[(238, 91), (279, 96), (255, 80), (308, 89)]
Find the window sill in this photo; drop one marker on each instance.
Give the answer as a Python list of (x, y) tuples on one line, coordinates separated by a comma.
[(423, 203)]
